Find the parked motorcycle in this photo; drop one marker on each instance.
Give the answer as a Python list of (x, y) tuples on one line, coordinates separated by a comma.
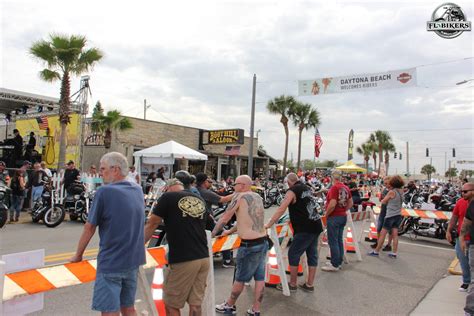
[(425, 227), (52, 214), (4, 204), (75, 203)]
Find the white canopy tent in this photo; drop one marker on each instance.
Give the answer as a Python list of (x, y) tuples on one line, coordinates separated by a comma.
[(165, 154)]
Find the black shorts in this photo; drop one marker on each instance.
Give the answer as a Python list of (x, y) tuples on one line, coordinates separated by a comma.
[(392, 222)]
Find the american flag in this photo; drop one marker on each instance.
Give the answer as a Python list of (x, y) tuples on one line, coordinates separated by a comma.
[(318, 143), (232, 150), (42, 122)]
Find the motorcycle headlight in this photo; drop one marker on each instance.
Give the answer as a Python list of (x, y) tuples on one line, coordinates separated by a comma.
[(77, 197)]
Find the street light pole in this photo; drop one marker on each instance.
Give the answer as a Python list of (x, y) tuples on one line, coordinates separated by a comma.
[(252, 123)]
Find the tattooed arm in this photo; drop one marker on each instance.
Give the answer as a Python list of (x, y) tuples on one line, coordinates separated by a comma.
[(452, 222), (466, 226), (233, 206)]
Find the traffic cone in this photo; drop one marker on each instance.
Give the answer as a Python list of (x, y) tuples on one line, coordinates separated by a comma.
[(372, 236), (157, 290), (271, 272), (349, 241), (300, 270)]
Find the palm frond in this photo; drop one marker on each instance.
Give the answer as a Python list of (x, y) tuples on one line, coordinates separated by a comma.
[(49, 75)]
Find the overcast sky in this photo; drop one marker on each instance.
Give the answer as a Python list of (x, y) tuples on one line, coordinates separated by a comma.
[(194, 60)]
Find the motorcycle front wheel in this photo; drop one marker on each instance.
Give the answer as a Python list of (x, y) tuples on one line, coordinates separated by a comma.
[(84, 217), (54, 216), (267, 202), (404, 226), (3, 217)]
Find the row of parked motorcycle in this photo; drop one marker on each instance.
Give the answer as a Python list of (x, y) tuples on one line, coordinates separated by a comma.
[(47, 208)]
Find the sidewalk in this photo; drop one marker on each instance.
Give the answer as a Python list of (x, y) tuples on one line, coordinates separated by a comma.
[(443, 299)]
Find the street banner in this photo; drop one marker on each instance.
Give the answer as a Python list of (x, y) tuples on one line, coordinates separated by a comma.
[(350, 148), (376, 81)]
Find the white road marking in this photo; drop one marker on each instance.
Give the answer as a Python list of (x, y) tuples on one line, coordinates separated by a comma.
[(425, 246)]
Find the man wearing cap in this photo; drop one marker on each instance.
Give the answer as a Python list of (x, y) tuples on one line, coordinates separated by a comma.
[(184, 214), (338, 201), (119, 212), (71, 174), (204, 184)]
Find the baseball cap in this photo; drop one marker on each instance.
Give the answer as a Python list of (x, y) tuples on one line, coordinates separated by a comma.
[(69, 162), (201, 177), (26, 162)]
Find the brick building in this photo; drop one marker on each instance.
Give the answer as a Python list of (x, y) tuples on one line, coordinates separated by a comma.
[(146, 133)]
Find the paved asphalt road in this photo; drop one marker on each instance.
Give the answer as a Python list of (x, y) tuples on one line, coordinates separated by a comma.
[(374, 286)]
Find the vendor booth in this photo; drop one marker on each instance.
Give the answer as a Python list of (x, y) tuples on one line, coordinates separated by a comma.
[(163, 155), (351, 167)]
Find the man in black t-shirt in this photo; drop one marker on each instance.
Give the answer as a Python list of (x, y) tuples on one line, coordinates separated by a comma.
[(184, 215), (71, 174), (467, 226), (307, 226)]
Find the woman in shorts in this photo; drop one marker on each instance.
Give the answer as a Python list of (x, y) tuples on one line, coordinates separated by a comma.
[(393, 216)]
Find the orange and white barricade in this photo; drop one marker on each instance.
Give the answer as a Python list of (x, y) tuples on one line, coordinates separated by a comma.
[(352, 217), (157, 290), (426, 214), (275, 268)]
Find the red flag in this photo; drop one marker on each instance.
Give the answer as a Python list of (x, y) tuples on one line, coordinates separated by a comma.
[(318, 143)]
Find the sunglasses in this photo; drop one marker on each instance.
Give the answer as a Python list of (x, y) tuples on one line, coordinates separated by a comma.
[(465, 191)]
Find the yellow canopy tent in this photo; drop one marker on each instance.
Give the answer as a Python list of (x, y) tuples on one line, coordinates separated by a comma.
[(351, 167)]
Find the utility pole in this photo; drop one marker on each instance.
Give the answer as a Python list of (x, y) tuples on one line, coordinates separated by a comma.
[(252, 123), (445, 159), (408, 161)]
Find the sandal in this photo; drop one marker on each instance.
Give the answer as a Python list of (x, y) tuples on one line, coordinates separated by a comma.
[(279, 287)]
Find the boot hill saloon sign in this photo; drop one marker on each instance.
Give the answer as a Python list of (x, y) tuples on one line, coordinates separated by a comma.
[(222, 137)]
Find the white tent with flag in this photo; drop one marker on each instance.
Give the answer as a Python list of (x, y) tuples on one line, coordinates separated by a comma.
[(165, 154)]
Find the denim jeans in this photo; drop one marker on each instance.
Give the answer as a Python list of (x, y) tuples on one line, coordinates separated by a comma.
[(15, 208), (464, 262), (469, 307), (36, 192), (335, 230)]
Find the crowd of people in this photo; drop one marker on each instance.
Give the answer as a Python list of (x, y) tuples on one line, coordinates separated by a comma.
[(185, 207)]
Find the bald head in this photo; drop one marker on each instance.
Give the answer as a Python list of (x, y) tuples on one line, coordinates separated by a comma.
[(243, 183), (468, 186), (292, 179)]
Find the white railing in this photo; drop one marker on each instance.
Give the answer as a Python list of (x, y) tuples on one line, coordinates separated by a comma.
[(89, 180)]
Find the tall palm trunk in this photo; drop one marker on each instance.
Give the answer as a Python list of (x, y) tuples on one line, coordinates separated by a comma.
[(287, 136), (300, 132), (374, 157), (387, 158), (64, 109), (380, 158), (366, 158)]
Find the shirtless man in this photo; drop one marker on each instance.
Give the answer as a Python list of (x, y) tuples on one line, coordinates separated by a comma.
[(248, 207)]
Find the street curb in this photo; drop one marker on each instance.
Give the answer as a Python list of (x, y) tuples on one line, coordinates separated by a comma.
[(452, 267)]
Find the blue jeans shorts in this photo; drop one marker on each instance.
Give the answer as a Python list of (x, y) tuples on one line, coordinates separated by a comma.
[(392, 222), (251, 262), (304, 242), (114, 290)]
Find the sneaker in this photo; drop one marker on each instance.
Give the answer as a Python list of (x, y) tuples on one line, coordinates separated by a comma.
[(463, 287), (228, 264), (392, 255), (279, 287), (226, 309), (387, 248), (306, 288), (250, 311), (373, 254), (330, 268)]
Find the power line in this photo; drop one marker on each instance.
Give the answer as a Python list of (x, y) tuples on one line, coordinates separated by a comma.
[(402, 130)]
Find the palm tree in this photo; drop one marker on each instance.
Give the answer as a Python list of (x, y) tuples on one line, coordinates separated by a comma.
[(388, 148), (111, 121), (304, 117), (281, 105), (380, 139), (365, 150), (64, 56)]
